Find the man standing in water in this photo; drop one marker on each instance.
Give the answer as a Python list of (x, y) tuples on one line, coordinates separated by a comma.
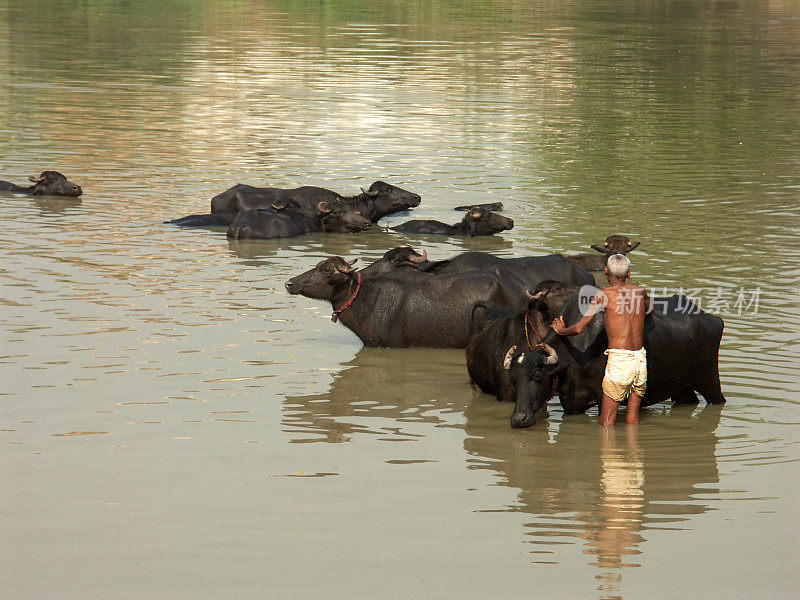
[(626, 371)]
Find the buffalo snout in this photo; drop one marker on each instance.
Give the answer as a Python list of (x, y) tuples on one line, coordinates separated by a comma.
[(520, 420)]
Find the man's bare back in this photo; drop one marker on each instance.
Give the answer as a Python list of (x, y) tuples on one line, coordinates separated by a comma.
[(626, 306)]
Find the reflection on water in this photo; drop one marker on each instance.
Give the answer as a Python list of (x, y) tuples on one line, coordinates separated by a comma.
[(603, 489), (162, 392)]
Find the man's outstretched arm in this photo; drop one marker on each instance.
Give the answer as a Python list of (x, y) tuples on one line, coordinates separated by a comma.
[(560, 327)]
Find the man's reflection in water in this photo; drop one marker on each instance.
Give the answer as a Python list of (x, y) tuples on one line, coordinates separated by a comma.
[(622, 499), (605, 486)]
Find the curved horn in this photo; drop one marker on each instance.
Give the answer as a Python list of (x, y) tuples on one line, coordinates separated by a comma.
[(552, 357), (345, 268), (413, 258), (352, 262), (277, 207), (34, 179), (323, 207), (535, 296), (369, 193), (509, 355)]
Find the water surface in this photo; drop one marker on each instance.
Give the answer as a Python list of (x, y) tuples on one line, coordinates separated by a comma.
[(173, 424)]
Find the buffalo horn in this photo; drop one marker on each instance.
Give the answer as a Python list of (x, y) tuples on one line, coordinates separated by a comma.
[(508, 357), (323, 207), (277, 207), (369, 193), (535, 296), (34, 179), (552, 357), (352, 262), (418, 259)]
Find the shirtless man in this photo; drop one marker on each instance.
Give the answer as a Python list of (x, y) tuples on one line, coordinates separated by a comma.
[(625, 307)]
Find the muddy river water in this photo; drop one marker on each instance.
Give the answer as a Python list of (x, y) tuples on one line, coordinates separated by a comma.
[(174, 425)]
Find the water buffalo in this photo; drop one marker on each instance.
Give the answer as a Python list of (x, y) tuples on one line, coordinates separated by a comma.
[(614, 244), (503, 328), (312, 218), (477, 221), (286, 221), (399, 307), (493, 206), (379, 200), (49, 183), (682, 344), (531, 270)]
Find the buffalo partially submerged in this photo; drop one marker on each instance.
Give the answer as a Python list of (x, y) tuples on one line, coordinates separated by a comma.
[(379, 200), (682, 344), (391, 305), (477, 221), (614, 244), (49, 183), (502, 328), (287, 221), (531, 270)]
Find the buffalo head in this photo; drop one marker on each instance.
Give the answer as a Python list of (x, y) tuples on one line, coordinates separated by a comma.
[(388, 199), (483, 222), (337, 217), (395, 260), (616, 244), (532, 373), (53, 183), (321, 281)]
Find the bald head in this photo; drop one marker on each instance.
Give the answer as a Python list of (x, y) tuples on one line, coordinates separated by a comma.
[(618, 265)]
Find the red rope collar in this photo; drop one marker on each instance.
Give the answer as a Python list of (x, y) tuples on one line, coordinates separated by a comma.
[(346, 305), (526, 322)]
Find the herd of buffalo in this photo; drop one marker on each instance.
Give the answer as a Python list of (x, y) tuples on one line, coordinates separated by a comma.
[(498, 309)]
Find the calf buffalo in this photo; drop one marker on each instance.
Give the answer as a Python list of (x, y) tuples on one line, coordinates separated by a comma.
[(287, 222), (379, 200), (682, 344), (477, 221), (614, 244), (49, 183), (400, 307)]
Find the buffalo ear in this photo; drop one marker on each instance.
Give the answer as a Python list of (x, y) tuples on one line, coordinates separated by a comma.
[(599, 248), (632, 246), (475, 214), (323, 207), (507, 359)]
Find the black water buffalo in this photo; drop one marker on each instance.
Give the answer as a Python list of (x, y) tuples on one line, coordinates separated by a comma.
[(502, 328), (614, 244), (531, 270), (398, 307), (682, 344), (49, 183), (288, 222), (493, 206), (379, 200), (477, 221)]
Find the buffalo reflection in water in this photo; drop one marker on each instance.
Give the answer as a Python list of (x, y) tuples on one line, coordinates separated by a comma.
[(602, 487)]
